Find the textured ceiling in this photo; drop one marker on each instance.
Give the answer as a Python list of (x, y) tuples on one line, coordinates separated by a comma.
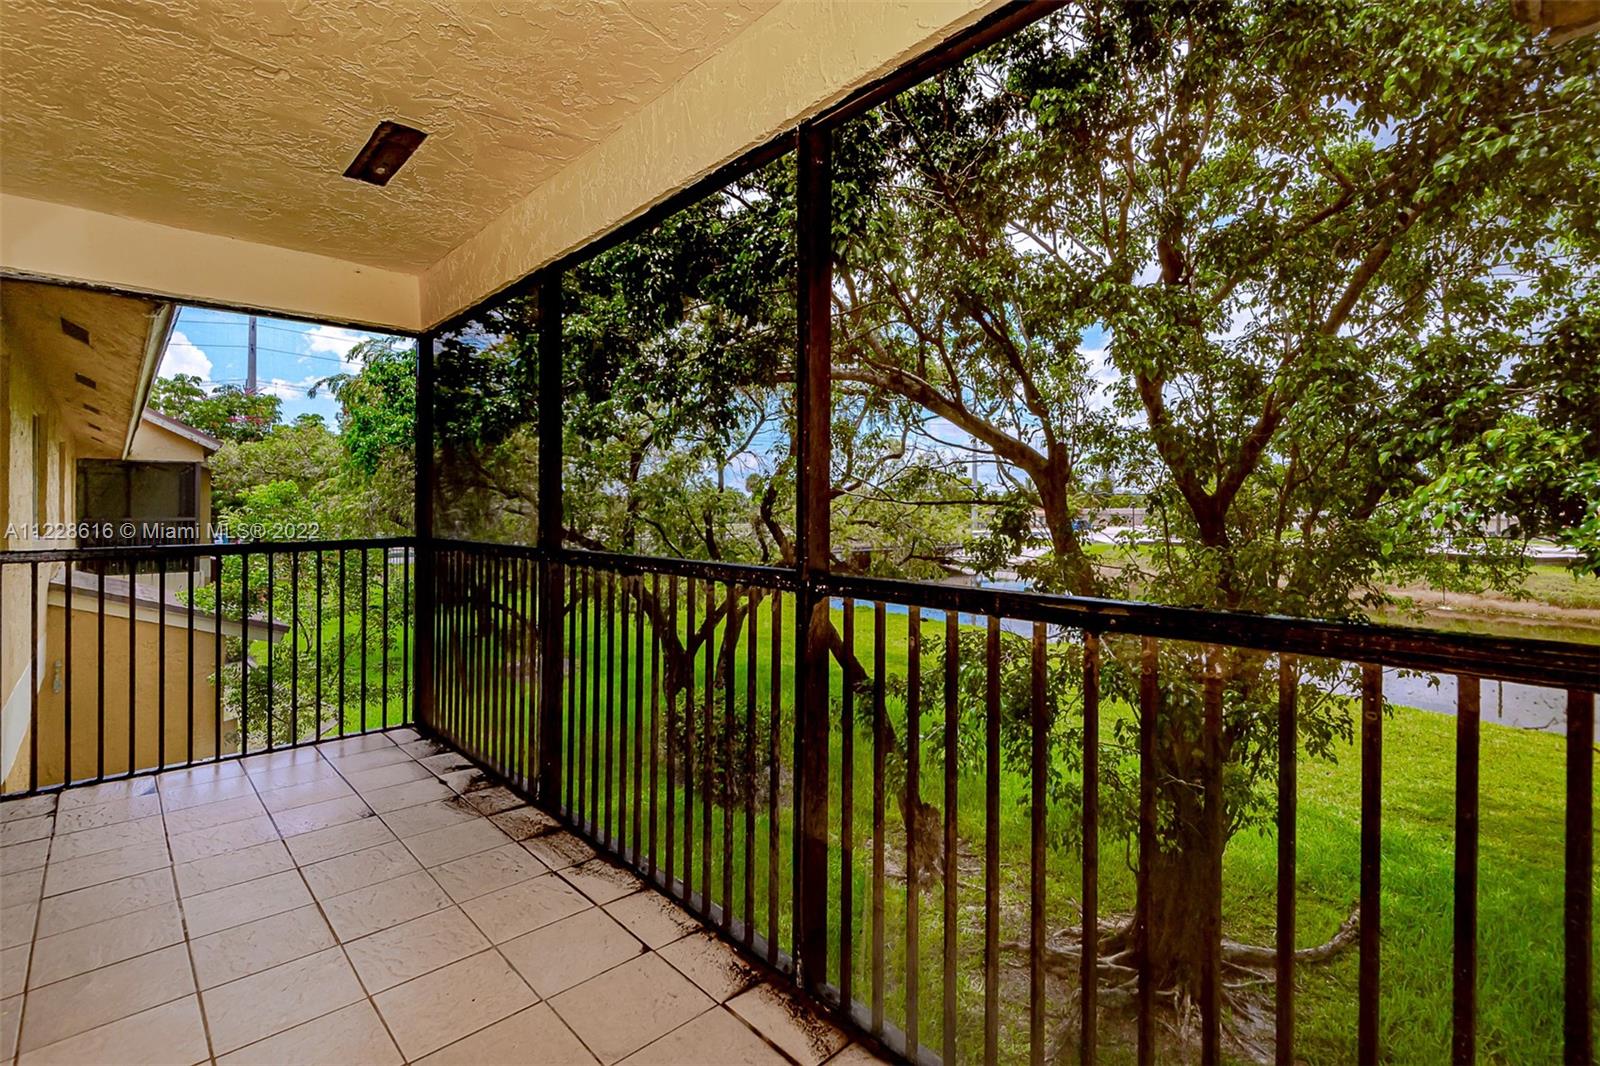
[(120, 341), (239, 118)]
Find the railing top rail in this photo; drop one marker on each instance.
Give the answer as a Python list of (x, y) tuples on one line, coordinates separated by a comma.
[(1550, 663), (164, 552)]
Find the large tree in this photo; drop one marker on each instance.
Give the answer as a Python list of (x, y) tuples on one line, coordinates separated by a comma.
[(1246, 258)]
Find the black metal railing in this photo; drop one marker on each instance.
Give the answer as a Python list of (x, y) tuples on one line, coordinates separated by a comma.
[(125, 661), (889, 836), (670, 732)]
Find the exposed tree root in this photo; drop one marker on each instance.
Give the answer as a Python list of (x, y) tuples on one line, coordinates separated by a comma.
[(1248, 976)]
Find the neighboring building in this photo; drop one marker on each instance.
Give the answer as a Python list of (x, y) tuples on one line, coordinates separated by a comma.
[(163, 487), (80, 449), (75, 371)]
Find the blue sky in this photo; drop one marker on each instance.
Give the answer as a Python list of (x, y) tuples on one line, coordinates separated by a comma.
[(290, 356)]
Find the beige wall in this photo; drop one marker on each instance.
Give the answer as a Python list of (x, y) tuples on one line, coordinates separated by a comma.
[(24, 408), (57, 242), (88, 660)]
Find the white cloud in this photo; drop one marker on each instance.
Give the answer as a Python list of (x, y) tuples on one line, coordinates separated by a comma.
[(332, 340), (183, 357), (282, 389)]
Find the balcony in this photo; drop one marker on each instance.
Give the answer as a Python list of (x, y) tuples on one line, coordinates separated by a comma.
[(375, 899), (889, 550)]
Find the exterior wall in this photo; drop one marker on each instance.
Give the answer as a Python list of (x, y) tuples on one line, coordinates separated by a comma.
[(88, 661), (72, 244), (24, 407)]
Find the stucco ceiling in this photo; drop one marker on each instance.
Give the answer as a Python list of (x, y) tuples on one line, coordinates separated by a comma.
[(99, 383), (239, 118)]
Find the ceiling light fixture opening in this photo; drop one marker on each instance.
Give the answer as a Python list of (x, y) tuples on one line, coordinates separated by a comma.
[(385, 152)]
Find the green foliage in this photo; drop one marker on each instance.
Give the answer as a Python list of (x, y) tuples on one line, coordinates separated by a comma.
[(227, 413), (304, 453), (378, 416)]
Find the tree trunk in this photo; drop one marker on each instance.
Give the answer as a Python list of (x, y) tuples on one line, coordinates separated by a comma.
[(1180, 881)]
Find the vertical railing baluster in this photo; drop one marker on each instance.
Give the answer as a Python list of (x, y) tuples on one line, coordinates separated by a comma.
[(639, 620), (570, 735), (621, 838), (1211, 959), (1149, 709), (598, 659), (366, 609), (910, 800), (408, 711), (671, 628), (1288, 832), (317, 661), (774, 741), (217, 655), (1089, 969), (271, 619), (1371, 859), (847, 807), (604, 830), (100, 667), (655, 719), (1464, 972), (880, 729), (66, 621), (708, 747), (189, 654), (749, 768), (581, 681), (383, 627), (1578, 911), (35, 682), (161, 663), (730, 657), (294, 647), (689, 746), (1040, 750), (952, 723), (991, 843), (133, 668), (343, 647)]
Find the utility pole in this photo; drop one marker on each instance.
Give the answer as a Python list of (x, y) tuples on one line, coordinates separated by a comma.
[(250, 366)]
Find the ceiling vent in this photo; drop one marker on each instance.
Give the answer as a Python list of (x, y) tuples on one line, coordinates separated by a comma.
[(75, 331), (385, 152), (87, 382)]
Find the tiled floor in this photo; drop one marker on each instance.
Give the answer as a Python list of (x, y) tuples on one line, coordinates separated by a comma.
[(344, 904)]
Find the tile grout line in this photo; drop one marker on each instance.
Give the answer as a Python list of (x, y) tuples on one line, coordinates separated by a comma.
[(33, 941), (183, 918), (33, 947), (538, 999), (316, 901)]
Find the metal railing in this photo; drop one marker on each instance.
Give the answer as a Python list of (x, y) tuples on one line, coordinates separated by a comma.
[(126, 661), (672, 726), (832, 828)]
